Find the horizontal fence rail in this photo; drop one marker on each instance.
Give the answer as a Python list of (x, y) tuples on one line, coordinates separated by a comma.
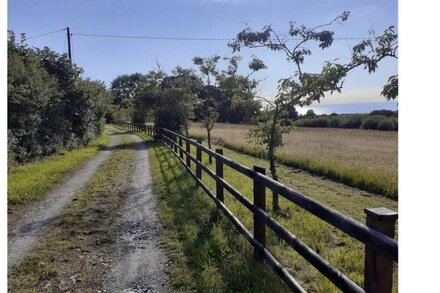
[(381, 250)]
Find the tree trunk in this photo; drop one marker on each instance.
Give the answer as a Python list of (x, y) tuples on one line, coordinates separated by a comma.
[(209, 146), (273, 171), (271, 157), (186, 129)]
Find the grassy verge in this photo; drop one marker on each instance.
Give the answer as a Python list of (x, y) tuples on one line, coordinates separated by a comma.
[(74, 255), (207, 251), (32, 181), (206, 254), (363, 179)]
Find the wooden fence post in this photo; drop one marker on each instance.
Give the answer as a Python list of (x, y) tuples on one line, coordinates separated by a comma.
[(199, 158), (259, 224), (181, 147), (175, 143), (188, 154), (379, 267), (219, 172)]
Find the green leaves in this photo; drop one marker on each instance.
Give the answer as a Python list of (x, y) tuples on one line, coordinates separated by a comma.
[(248, 37), (207, 66), (256, 64), (304, 88), (50, 107), (391, 89), (369, 53)]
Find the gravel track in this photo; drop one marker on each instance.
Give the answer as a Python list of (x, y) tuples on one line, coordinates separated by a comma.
[(138, 262), (41, 215)]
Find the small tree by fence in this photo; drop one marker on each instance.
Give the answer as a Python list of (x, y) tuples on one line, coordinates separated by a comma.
[(381, 249)]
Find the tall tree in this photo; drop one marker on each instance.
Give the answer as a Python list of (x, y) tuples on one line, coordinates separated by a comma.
[(207, 96), (304, 88), (124, 88), (237, 103), (190, 84)]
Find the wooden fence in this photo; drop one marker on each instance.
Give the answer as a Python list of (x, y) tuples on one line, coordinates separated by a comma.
[(381, 250)]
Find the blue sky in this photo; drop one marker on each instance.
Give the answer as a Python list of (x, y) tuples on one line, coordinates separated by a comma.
[(104, 59)]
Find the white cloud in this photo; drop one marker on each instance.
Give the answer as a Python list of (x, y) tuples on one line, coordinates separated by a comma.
[(317, 111), (367, 95)]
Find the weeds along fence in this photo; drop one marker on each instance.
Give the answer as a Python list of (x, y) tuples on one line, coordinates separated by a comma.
[(381, 250)]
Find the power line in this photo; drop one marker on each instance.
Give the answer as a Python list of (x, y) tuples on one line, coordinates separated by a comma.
[(151, 37), (37, 36), (169, 38), (187, 38)]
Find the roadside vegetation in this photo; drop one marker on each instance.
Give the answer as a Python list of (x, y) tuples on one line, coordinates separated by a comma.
[(74, 254), (30, 182), (51, 106), (376, 120), (205, 248), (359, 158)]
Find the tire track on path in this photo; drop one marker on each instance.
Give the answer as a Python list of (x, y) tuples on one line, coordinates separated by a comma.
[(39, 218), (139, 263)]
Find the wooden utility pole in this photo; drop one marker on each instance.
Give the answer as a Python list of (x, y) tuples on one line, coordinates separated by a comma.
[(68, 45)]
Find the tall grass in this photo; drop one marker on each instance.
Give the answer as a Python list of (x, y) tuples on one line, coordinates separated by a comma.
[(30, 182), (206, 254), (210, 254), (359, 158)]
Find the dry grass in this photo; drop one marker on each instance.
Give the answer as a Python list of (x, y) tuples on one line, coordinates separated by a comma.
[(363, 158)]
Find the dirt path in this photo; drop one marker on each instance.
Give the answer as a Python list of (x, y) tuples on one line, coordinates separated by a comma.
[(41, 215), (138, 263)]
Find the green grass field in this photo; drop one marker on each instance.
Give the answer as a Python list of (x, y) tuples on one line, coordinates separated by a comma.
[(208, 252), (365, 159), (30, 182)]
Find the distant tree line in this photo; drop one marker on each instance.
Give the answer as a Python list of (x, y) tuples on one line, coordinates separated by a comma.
[(172, 100), (379, 119), (51, 107)]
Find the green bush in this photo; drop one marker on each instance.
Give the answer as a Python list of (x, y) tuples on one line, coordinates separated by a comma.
[(321, 121), (372, 122), (50, 106), (350, 121), (334, 122), (353, 121), (387, 113), (388, 124), (318, 121)]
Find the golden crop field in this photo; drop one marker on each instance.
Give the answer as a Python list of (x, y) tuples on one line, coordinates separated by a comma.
[(363, 158)]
